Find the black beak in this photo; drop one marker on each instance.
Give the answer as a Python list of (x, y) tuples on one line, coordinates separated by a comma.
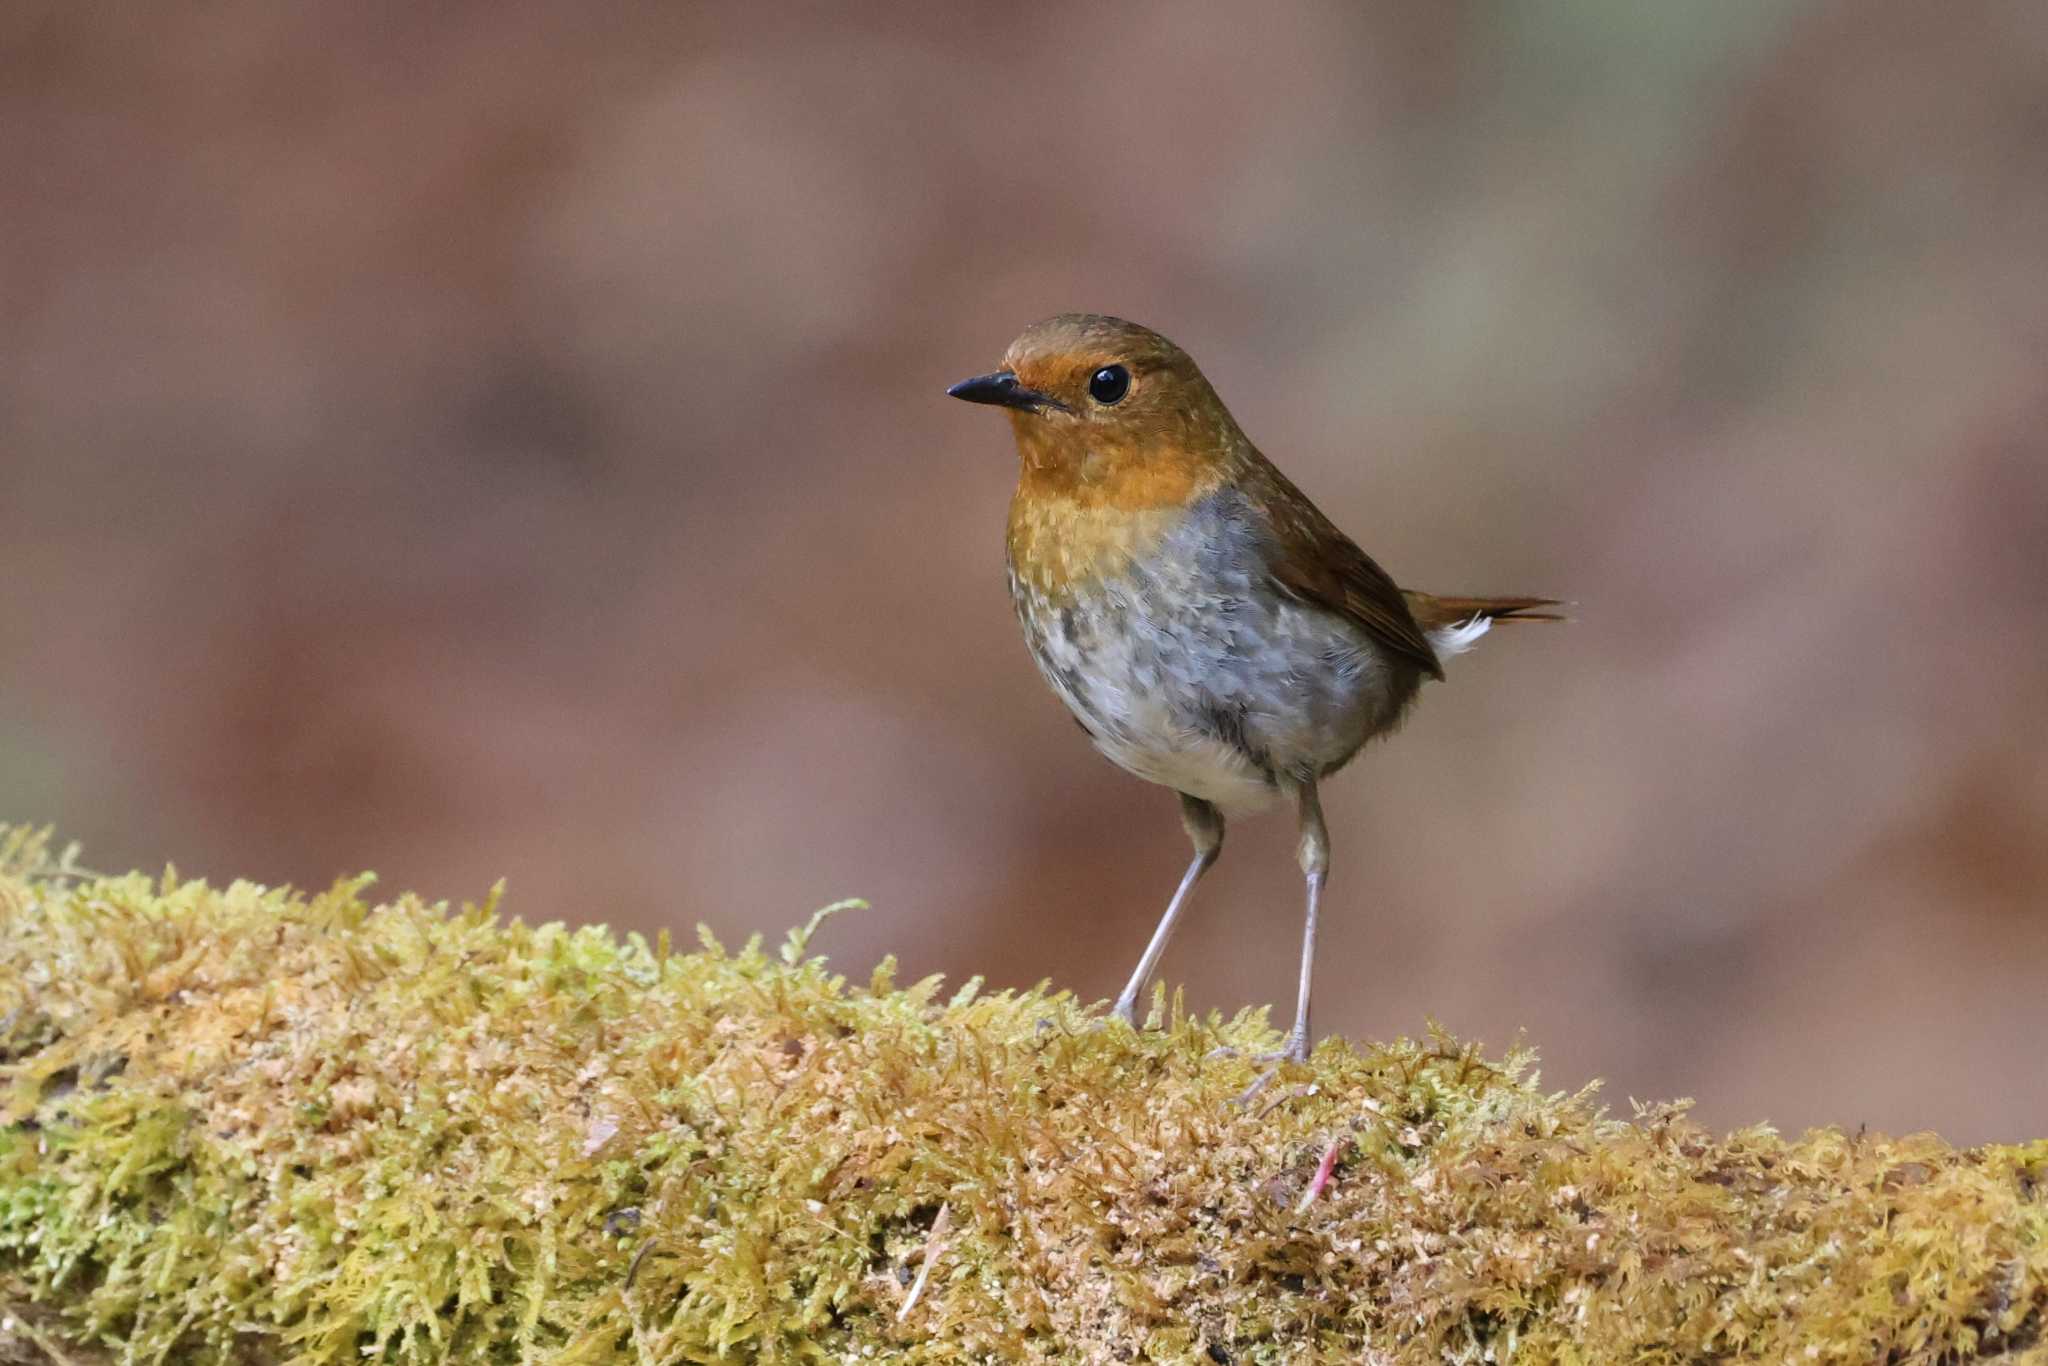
[(1003, 391)]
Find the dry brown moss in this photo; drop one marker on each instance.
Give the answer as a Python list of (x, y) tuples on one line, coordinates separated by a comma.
[(248, 1122)]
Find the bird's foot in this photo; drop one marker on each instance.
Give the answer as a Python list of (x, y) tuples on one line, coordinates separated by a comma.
[(1259, 1083), (1295, 1050), (1125, 1011)]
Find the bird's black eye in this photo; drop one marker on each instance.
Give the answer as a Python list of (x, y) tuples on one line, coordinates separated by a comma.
[(1109, 384)]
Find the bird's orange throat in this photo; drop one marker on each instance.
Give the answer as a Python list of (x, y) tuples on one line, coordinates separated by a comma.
[(1088, 503)]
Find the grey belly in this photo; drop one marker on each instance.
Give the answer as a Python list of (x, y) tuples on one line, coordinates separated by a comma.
[(1195, 674)]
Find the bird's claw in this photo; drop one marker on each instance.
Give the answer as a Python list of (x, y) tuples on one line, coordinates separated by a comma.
[(1259, 1083), (1123, 1012), (1294, 1050)]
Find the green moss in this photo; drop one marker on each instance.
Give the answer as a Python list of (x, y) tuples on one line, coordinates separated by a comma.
[(247, 1124)]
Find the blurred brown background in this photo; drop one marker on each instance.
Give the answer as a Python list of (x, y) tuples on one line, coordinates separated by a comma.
[(465, 439)]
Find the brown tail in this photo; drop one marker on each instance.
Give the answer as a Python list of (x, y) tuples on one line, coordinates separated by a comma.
[(1432, 612)]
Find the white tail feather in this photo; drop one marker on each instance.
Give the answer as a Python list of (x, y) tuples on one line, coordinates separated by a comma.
[(1455, 640)]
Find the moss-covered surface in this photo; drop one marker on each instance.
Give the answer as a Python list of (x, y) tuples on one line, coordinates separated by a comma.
[(239, 1124)]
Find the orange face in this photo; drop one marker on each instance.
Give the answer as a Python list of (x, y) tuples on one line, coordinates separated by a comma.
[(1117, 434), (1106, 411)]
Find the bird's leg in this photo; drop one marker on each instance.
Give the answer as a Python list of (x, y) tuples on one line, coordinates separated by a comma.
[(1204, 824), (1313, 852)]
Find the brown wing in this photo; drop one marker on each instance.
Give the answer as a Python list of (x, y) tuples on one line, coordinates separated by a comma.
[(1315, 562)]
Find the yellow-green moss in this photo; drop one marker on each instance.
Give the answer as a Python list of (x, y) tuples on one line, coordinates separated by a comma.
[(245, 1124)]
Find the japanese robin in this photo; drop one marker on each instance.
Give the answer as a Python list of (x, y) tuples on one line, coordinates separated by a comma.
[(1206, 624)]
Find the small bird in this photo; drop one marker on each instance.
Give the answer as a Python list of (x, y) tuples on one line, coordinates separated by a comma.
[(1206, 624)]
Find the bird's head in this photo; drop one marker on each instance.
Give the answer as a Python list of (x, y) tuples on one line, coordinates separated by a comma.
[(1097, 399)]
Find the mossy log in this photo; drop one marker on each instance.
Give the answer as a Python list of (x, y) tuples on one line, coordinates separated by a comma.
[(240, 1124)]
